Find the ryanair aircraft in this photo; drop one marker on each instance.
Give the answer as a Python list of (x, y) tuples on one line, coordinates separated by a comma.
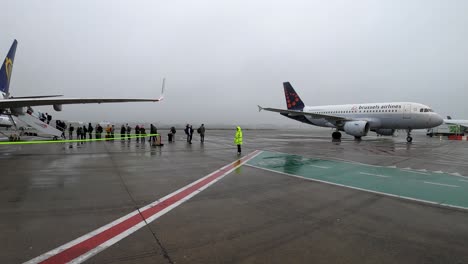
[(21, 106)]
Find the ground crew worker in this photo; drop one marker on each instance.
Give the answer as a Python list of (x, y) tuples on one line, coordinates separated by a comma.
[(137, 133), (238, 140)]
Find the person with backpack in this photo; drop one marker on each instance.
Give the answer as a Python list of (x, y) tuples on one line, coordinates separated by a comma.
[(186, 130), (201, 131), (172, 134)]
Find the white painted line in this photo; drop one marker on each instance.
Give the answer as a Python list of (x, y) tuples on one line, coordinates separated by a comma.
[(464, 180), (371, 174), (441, 184), (361, 189), (317, 166), (418, 172), (96, 241)]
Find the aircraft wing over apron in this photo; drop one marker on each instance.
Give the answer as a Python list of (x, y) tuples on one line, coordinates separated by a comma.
[(39, 125)]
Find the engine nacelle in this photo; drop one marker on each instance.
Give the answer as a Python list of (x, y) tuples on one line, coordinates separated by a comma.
[(356, 128), (58, 107), (385, 131), (18, 111)]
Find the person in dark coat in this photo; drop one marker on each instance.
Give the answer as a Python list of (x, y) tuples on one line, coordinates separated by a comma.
[(49, 118), (153, 132), (83, 132), (129, 130), (201, 131), (137, 133), (78, 132), (186, 130), (143, 134), (90, 130), (190, 130), (70, 131), (123, 130), (173, 131)]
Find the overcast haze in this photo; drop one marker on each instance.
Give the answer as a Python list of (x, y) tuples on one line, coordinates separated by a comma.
[(222, 58)]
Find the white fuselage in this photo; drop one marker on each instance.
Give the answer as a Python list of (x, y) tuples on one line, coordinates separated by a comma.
[(394, 115)]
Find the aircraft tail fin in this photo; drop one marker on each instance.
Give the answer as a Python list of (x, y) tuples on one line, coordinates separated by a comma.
[(7, 68), (293, 101)]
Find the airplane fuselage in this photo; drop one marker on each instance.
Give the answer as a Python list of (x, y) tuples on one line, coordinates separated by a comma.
[(394, 115)]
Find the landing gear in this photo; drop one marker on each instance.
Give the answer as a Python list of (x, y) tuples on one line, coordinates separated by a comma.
[(409, 139), (336, 135), (357, 138)]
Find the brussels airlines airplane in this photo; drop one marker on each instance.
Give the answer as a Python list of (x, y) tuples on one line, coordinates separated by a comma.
[(19, 106), (358, 119)]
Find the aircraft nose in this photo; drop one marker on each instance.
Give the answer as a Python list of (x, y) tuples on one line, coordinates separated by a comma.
[(437, 120)]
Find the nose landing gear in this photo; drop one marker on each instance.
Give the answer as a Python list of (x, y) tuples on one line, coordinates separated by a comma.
[(409, 139)]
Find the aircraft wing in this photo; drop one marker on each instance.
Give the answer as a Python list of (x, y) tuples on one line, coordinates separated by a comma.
[(13, 103), (330, 118)]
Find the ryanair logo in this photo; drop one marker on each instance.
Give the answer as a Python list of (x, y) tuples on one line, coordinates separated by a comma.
[(8, 68)]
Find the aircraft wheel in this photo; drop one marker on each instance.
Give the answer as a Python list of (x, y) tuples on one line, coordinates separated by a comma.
[(357, 138), (409, 139), (336, 135)]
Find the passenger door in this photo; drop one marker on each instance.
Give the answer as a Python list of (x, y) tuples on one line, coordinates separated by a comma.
[(406, 111)]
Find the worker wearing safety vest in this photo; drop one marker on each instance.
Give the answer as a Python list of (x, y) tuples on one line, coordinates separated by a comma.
[(238, 140)]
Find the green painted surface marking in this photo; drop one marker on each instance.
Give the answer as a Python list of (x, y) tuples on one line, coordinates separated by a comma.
[(116, 137), (439, 188)]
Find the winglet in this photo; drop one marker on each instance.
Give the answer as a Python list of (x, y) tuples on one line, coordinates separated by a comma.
[(162, 90), (260, 108)]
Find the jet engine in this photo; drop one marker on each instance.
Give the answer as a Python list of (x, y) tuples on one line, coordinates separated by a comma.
[(356, 128), (385, 131), (58, 107)]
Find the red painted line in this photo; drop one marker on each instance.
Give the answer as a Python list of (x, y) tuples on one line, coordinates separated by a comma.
[(91, 243)]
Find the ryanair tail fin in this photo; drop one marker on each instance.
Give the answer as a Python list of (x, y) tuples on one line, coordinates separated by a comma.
[(7, 68), (293, 101)]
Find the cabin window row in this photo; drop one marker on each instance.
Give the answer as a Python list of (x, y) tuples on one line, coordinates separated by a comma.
[(360, 111)]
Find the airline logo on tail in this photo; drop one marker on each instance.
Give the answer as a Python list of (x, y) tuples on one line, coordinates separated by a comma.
[(293, 101), (8, 68)]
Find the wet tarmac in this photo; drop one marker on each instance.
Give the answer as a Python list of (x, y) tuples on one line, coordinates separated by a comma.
[(51, 194)]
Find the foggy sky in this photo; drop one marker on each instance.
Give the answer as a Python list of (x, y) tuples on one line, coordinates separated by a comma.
[(222, 58)]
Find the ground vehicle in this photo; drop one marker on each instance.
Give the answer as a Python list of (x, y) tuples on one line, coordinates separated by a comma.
[(446, 130)]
